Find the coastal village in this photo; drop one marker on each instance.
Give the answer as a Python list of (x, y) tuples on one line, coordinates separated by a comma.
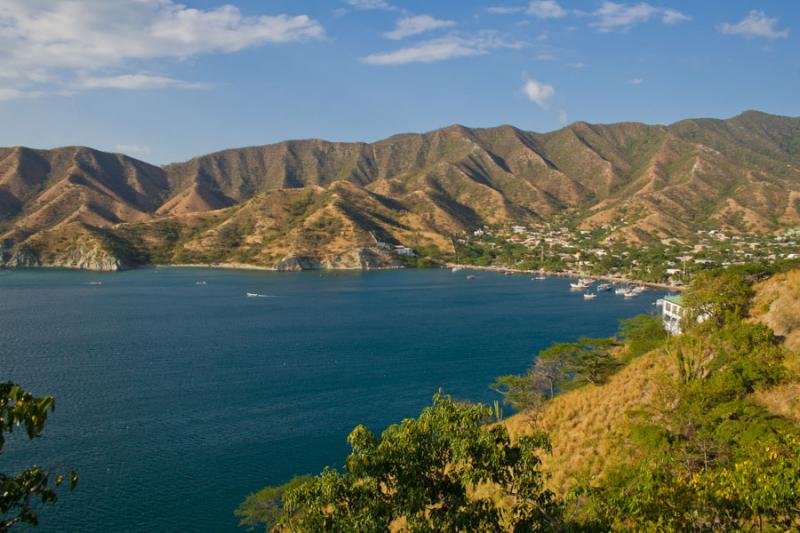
[(590, 253)]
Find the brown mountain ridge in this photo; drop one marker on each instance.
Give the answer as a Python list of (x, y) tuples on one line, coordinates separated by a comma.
[(318, 204)]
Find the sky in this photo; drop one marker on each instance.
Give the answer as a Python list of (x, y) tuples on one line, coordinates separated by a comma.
[(164, 81)]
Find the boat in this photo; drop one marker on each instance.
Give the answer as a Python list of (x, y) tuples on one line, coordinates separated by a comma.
[(95, 283), (580, 285), (508, 273), (589, 295), (621, 291), (540, 277), (456, 269), (630, 294), (471, 276), (604, 287), (252, 295), (201, 282)]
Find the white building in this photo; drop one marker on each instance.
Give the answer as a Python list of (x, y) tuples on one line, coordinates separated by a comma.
[(672, 314)]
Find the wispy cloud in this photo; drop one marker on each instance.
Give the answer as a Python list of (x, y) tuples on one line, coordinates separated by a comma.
[(755, 24), (635, 81), (504, 10), (538, 92), (612, 16), (409, 26), (136, 82), (442, 49), (371, 4), (546, 9), (65, 40), (132, 148)]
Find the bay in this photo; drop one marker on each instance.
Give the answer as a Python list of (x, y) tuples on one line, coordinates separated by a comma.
[(176, 400)]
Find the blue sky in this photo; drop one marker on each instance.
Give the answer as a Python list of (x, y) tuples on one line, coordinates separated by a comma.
[(164, 80)]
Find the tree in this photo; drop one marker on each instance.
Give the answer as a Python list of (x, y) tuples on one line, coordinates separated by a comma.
[(426, 473), (588, 361), (641, 334), (718, 294), (264, 508), (20, 493)]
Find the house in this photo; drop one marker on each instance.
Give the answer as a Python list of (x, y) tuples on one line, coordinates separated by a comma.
[(403, 250), (672, 314)]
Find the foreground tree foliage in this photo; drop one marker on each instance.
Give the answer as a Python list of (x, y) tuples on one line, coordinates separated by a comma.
[(447, 470), (705, 456), (20, 494)]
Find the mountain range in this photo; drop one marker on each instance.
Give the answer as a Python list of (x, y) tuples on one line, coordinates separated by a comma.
[(318, 204)]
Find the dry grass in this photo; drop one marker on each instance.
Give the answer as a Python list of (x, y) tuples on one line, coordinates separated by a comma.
[(586, 424), (777, 304)]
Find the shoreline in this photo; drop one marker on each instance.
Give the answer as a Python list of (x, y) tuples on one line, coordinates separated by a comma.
[(568, 274)]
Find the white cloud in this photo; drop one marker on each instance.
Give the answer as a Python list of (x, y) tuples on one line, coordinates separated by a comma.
[(755, 24), (636, 81), (135, 82), (501, 10), (64, 39), (538, 92), (546, 9), (10, 94), (371, 4), (441, 49), (579, 65), (612, 16), (409, 26), (132, 148)]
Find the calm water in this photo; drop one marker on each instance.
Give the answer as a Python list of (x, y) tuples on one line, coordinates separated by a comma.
[(174, 401)]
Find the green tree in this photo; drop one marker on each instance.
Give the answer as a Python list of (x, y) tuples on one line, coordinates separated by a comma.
[(21, 494), (642, 334), (426, 473), (718, 295), (265, 507)]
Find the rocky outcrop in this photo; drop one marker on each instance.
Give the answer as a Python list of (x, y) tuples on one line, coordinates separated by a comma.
[(362, 259), (82, 256), (23, 258), (294, 263)]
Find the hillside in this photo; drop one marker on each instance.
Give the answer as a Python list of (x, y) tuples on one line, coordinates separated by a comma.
[(342, 205), (590, 425)]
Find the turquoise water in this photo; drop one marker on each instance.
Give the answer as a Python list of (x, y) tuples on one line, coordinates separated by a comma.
[(174, 401)]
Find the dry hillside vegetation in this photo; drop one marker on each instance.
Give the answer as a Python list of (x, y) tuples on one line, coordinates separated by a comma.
[(741, 174), (586, 424)]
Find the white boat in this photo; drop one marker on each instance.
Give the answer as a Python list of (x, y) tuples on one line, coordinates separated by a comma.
[(456, 269), (471, 276), (540, 277), (621, 291), (589, 295), (630, 294), (252, 295), (95, 283), (201, 282), (581, 284)]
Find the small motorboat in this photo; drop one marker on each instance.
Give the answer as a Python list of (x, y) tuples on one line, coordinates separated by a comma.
[(471, 276), (604, 287), (95, 283), (540, 277), (589, 295), (252, 295), (456, 269), (580, 285), (201, 282), (508, 273)]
